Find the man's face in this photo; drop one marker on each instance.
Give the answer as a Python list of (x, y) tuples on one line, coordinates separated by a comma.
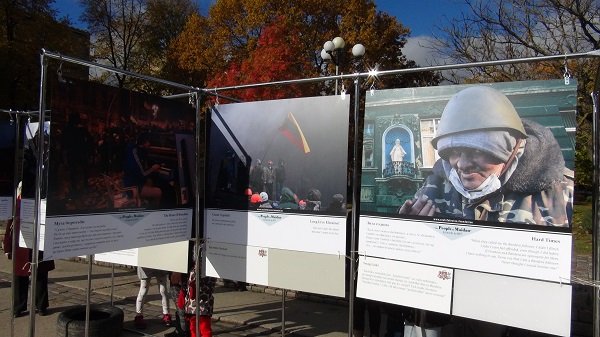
[(473, 166)]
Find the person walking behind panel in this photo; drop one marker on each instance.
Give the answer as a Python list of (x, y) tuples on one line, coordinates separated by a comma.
[(145, 274), (22, 265), (204, 306)]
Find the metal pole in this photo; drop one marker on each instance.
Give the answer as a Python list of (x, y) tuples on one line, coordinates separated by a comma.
[(594, 53), (15, 234), (199, 204), (283, 312), (355, 215), (336, 77), (88, 296), (115, 70), (596, 209), (38, 195), (112, 285)]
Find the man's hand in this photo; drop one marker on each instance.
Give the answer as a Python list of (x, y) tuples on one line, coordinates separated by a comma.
[(420, 206)]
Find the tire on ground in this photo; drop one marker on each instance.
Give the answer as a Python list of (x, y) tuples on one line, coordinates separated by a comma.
[(105, 321)]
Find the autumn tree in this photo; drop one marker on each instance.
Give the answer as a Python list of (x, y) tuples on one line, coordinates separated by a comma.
[(166, 19), (272, 49), (238, 34), (509, 29)]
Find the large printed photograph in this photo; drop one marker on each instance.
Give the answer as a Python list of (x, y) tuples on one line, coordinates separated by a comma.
[(8, 130), (288, 155), (31, 148), (495, 153), (8, 144), (113, 149)]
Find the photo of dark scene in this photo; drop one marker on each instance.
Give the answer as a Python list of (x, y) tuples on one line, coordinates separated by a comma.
[(7, 152), (279, 156), (113, 149), (436, 152), (30, 163)]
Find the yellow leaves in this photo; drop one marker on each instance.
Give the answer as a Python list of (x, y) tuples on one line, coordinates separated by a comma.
[(228, 38)]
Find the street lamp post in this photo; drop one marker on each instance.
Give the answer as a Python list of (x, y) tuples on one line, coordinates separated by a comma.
[(333, 51)]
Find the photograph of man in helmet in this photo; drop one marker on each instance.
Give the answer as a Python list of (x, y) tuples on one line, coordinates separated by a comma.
[(494, 166)]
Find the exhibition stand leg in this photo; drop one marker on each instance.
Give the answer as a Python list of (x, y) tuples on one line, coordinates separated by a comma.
[(283, 292), (596, 206), (88, 295), (38, 196), (355, 212), (19, 122), (112, 285)]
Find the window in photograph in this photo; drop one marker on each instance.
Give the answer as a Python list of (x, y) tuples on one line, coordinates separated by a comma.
[(428, 130), (369, 130), (368, 154)]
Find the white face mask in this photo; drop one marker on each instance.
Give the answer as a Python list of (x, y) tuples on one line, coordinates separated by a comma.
[(489, 185)]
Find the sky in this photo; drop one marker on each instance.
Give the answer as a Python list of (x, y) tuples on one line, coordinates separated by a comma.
[(423, 17)]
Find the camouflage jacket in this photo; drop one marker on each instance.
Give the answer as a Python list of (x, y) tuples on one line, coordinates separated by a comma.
[(539, 192)]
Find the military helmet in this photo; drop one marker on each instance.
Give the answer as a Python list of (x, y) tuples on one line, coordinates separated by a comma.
[(479, 108)]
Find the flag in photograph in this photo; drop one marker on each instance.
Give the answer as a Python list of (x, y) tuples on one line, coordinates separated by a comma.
[(291, 130)]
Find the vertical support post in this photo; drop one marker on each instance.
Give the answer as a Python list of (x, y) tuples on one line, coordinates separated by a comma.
[(283, 291), (596, 208), (18, 176), (336, 74), (199, 204), (355, 211), (38, 194), (88, 295), (112, 285)]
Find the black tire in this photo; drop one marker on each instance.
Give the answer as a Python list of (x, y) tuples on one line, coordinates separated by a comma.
[(105, 321)]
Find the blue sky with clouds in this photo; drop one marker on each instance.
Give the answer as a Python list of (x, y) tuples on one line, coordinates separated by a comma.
[(423, 17)]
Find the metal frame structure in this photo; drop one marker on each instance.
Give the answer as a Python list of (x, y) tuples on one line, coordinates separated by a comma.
[(45, 55), (356, 77), (17, 118), (357, 160)]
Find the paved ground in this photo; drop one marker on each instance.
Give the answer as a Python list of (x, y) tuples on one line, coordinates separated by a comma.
[(247, 313)]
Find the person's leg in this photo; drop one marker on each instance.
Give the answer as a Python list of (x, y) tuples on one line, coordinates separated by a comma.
[(180, 323), (162, 289), (205, 326), (21, 288), (139, 304), (41, 293), (374, 318), (192, 324), (359, 317)]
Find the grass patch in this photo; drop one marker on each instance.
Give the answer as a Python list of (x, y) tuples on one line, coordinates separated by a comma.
[(582, 228)]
